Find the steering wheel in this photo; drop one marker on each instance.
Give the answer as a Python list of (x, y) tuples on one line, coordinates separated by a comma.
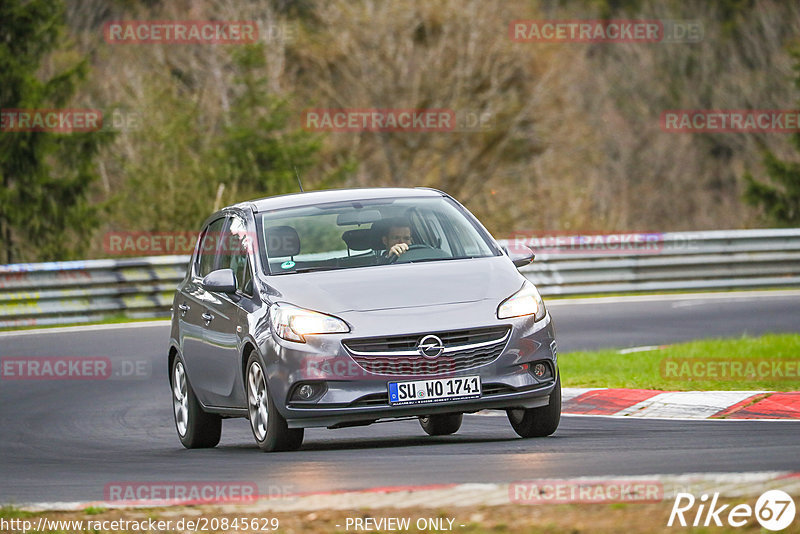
[(393, 258)]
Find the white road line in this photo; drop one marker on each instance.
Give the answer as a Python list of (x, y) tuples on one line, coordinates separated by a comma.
[(554, 301), (85, 328), (645, 348)]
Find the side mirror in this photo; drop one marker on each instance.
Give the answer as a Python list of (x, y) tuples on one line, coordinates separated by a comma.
[(221, 281), (521, 256)]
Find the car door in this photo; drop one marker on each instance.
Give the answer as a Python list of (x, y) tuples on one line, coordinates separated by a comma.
[(193, 305), (226, 317)]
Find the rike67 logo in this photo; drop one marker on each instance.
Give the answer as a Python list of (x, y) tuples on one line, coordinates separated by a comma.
[(774, 511)]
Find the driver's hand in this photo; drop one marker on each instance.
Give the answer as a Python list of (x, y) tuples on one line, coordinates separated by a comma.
[(397, 249)]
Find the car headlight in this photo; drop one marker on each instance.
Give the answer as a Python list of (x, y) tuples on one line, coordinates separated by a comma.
[(526, 301), (293, 323)]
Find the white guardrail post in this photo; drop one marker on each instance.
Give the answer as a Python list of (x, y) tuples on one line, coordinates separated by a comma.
[(91, 290)]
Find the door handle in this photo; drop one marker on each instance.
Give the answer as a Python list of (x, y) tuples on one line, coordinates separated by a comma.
[(184, 308), (207, 317)]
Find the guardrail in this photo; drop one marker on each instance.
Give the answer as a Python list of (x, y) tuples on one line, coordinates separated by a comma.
[(90, 290), (84, 291), (736, 259)]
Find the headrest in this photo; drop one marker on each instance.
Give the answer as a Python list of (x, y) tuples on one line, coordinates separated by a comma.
[(282, 241), (363, 239)]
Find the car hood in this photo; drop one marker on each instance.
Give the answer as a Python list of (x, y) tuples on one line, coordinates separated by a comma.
[(399, 286)]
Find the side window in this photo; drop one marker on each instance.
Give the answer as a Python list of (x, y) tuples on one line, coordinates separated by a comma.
[(207, 252), (234, 254)]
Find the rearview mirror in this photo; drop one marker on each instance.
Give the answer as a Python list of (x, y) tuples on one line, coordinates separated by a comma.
[(359, 217), (221, 281), (520, 256)]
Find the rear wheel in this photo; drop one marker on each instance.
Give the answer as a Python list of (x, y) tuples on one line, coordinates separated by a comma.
[(196, 428), (441, 424), (269, 427), (538, 422)]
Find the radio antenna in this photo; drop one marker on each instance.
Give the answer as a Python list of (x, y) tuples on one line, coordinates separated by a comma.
[(298, 179)]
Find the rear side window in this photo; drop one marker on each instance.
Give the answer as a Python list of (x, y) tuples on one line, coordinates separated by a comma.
[(209, 244)]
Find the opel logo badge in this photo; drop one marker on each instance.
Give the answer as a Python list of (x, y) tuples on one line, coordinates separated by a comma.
[(430, 347)]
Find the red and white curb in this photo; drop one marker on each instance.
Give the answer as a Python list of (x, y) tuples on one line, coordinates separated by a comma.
[(681, 404), (731, 485)]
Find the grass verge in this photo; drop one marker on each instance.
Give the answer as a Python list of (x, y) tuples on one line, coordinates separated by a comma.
[(710, 365)]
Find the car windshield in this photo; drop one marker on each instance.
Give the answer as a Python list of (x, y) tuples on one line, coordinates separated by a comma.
[(360, 233)]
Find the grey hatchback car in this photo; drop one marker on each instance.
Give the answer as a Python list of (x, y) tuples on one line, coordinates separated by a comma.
[(341, 308)]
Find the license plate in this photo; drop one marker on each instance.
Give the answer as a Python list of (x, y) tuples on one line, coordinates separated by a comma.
[(438, 390)]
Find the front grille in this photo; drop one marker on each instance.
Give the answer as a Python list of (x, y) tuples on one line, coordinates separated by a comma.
[(398, 355)]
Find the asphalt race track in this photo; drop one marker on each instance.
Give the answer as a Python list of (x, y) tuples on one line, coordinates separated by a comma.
[(588, 324), (65, 440)]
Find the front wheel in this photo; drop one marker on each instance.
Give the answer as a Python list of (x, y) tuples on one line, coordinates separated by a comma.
[(196, 428), (269, 427), (538, 422), (441, 424)]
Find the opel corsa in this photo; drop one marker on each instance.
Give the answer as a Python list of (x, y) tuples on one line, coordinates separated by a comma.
[(342, 308)]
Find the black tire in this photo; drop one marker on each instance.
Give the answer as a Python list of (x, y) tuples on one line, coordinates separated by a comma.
[(538, 422), (441, 424), (273, 435), (200, 429)]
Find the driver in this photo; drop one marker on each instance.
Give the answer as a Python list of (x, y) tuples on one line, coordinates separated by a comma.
[(396, 238)]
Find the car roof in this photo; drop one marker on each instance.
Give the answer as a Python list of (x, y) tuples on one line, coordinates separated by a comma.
[(311, 198)]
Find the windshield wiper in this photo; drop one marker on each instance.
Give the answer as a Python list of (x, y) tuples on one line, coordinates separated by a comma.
[(307, 270), (423, 260)]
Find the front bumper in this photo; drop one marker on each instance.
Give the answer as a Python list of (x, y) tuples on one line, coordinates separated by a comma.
[(353, 395), (334, 417)]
